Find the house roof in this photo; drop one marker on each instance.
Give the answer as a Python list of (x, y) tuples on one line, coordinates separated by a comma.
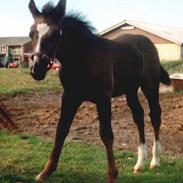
[(14, 41), (173, 34)]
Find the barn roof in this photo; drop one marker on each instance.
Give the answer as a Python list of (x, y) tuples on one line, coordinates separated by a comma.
[(173, 34), (13, 41)]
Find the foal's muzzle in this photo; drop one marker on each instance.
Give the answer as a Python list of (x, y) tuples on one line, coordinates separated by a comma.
[(43, 58), (41, 64)]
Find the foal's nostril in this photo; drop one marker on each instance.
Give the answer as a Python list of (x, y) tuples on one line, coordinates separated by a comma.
[(44, 57)]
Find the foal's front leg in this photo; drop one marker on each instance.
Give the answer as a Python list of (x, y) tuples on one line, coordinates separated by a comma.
[(68, 110), (104, 111)]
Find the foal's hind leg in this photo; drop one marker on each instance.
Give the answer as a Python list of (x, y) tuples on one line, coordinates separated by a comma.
[(152, 95), (138, 117), (104, 111), (68, 110)]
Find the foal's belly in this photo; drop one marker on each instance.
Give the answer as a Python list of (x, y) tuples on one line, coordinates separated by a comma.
[(119, 87), (117, 91), (122, 86)]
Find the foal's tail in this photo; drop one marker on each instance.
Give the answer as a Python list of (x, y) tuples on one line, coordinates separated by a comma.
[(164, 77)]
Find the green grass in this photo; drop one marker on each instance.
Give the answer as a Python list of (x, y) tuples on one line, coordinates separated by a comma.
[(18, 81), (173, 66), (23, 156)]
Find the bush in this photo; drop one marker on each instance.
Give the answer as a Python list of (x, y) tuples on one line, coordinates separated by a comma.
[(173, 66)]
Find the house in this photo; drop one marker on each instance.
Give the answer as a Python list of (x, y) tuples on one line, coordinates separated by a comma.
[(168, 40), (15, 48)]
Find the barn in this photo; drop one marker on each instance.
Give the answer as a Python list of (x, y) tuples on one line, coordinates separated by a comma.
[(168, 40)]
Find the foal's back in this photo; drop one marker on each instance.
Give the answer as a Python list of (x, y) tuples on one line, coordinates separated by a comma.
[(145, 46), (127, 65), (153, 72)]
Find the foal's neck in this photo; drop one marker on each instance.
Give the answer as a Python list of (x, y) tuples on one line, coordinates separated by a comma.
[(76, 41)]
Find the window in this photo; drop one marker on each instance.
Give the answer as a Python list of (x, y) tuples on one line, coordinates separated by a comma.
[(182, 51), (16, 50), (3, 50)]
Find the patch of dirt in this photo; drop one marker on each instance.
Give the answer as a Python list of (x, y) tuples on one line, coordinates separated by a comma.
[(38, 113)]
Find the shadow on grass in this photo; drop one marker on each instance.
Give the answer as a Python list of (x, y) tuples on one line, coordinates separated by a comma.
[(73, 176), (64, 177)]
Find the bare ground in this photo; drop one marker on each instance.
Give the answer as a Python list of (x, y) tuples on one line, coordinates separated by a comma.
[(38, 113)]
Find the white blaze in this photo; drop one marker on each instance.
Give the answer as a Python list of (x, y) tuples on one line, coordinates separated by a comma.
[(42, 29)]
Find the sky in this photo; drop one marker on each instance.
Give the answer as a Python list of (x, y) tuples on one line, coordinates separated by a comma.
[(15, 18)]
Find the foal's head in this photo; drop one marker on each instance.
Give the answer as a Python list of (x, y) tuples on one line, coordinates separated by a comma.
[(45, 34)]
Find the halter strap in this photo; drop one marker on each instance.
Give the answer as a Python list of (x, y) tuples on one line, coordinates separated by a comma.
[(46, 58)]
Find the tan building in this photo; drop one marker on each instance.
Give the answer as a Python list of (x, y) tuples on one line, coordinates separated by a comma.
[(15, 48), (168, 40)]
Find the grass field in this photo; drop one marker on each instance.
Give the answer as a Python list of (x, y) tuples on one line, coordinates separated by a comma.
[(23, 156), (17, 81)]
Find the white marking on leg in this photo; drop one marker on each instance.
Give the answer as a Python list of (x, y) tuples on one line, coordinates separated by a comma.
[(42, 29), (39, 178), (156, 151), (142, 154)]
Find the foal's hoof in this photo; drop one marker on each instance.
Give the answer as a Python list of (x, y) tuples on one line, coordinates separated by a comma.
[(137, 171), (111, 180), (41, 177), (154, 166)]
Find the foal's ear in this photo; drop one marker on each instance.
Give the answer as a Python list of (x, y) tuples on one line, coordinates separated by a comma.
[(60, 9), (33, 9)]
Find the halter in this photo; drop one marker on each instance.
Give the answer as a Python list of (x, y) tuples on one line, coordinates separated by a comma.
[(48, 60)]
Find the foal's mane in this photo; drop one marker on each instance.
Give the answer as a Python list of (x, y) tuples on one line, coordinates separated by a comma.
[(73, 20), (76, 22)]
